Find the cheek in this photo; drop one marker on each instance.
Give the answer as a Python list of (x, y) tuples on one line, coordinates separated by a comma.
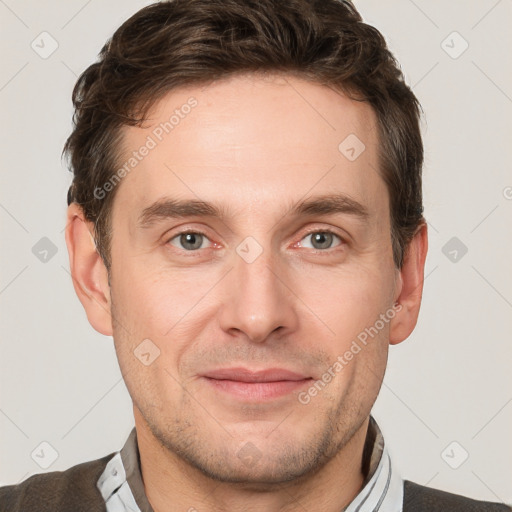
[(148, 296), (147, 339), (168, 307), (350, 304), (349, 300)]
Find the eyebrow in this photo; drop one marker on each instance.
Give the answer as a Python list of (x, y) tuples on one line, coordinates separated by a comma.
[(329, 204)]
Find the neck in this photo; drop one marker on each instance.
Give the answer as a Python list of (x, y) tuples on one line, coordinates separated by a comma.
[(171, 484)]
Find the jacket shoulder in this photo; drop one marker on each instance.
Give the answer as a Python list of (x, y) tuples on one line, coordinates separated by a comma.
[(72, 490), (418, 498)]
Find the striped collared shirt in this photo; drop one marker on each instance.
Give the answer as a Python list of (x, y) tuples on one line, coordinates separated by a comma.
[(122, 489)]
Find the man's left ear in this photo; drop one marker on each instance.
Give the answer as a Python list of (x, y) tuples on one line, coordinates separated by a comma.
[(410, 286)]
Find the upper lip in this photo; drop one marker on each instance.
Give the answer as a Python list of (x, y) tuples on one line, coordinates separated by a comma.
[(246, 375)]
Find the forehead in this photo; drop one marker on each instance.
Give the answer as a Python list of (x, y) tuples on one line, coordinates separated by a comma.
[(251, 140)]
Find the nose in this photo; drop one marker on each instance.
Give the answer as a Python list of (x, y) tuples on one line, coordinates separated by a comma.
[(258, 299)]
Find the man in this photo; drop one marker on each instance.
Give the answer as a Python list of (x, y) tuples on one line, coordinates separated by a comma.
[(246, 221)]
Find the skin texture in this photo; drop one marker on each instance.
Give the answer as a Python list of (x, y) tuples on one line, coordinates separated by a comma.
[(255, 146)]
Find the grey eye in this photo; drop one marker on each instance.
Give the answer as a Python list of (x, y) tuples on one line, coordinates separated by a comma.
[(321, 239), (188, 241)]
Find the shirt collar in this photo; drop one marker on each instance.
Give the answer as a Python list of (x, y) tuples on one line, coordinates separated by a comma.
[(122, 488), (383, 486)]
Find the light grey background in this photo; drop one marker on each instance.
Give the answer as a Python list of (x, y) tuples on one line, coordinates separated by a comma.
[(449, 382)]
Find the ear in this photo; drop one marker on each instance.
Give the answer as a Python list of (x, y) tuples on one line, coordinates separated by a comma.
[(410, 287), (88, 272)]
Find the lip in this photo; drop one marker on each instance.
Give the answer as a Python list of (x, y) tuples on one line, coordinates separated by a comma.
[(246, 375), (258, 385)]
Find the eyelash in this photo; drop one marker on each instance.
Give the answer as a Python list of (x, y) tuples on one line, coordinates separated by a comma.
[(313, 231)]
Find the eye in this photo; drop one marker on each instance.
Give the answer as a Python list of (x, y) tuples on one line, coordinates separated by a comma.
[(192, 241), (189, 240), (321, 240)]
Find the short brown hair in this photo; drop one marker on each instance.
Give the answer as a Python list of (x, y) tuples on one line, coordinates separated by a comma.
[(178, 43)]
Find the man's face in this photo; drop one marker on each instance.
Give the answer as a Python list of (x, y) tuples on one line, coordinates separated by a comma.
[(264, 287)]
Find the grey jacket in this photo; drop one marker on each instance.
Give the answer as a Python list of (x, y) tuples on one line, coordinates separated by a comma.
[(74, 490)]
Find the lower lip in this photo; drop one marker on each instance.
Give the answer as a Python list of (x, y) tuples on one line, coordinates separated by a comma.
[(257, 390)]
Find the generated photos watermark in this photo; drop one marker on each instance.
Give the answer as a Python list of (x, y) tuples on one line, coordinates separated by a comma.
[(157, 135), (357, 345)]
